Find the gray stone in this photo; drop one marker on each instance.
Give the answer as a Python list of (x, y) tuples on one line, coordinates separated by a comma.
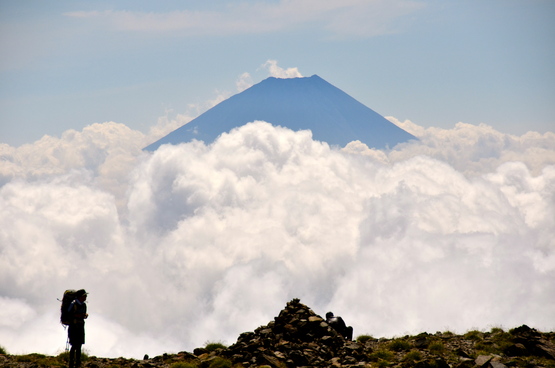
[(495, 364), (483, 360)]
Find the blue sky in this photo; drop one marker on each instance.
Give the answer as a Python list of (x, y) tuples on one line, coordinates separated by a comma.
[(69, 64)]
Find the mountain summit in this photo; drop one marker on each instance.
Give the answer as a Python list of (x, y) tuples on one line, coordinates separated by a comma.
[(298, 104)]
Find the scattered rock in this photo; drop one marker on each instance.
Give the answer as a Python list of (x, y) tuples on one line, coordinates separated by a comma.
[(483, 360), (530, 342), (432, 363), (495, 364), (200, 351), (421, 341), (299, 338)]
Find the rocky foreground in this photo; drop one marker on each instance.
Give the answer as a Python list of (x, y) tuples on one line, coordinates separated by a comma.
[(300, 338)]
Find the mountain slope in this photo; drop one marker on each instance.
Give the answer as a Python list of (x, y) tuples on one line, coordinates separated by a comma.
[(297, 103)]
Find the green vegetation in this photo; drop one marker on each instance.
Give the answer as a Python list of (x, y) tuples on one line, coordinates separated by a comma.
[(29, 357), (473, 335), (495, 343), (399, 345), (64, 357), (496, 330), (220, 363), (3, 350), (436, 347), (412, 356), (486, 347), (363, 338), (502, 339), (183, 365), (382, 354), (39, 360), (214, 345)]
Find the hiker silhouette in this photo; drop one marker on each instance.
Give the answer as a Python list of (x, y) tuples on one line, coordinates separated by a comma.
[(339, 325), (76, 332)]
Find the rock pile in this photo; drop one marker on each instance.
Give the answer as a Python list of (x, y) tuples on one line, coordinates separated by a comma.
[(297, 337)]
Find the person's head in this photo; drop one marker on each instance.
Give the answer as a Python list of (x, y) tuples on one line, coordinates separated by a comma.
[(329, 315), (81, 295)]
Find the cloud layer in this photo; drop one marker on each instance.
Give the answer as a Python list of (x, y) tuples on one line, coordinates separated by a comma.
[(195, 243), (353, 18)]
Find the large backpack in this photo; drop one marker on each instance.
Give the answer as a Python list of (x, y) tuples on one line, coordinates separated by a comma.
[(66, 317)]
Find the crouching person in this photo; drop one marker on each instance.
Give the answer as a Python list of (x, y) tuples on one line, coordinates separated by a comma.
[(339, 325)]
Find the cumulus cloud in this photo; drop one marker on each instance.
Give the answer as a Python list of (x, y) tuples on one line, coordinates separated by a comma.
[(476, 149), (279, 72), (100, 154), (340, 18), (208, 241)]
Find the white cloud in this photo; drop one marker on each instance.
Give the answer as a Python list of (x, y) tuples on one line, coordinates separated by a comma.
[(279, 72), (14, 312), (167, 124), (243, 82), (101, 153), (475, 150), (359, 18), (206, 242)]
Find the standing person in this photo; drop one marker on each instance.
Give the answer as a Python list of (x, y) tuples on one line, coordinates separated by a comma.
[(339, 325), (76, 331)]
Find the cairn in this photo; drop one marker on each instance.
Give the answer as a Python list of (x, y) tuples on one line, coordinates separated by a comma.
[(297, 337)]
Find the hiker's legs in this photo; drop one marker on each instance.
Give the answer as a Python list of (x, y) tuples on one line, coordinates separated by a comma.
[(75, 356), (78, 356), (72, 357), (76, 334)]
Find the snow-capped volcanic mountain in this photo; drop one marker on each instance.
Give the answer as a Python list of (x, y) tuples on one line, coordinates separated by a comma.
[(298, 104)]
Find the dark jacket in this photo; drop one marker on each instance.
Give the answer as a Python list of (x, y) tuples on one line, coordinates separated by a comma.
[(76, 330)]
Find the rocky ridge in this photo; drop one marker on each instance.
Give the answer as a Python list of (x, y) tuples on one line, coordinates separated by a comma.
[(298, 337)]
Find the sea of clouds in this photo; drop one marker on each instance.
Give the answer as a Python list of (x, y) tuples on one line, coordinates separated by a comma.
[(195, 243)]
